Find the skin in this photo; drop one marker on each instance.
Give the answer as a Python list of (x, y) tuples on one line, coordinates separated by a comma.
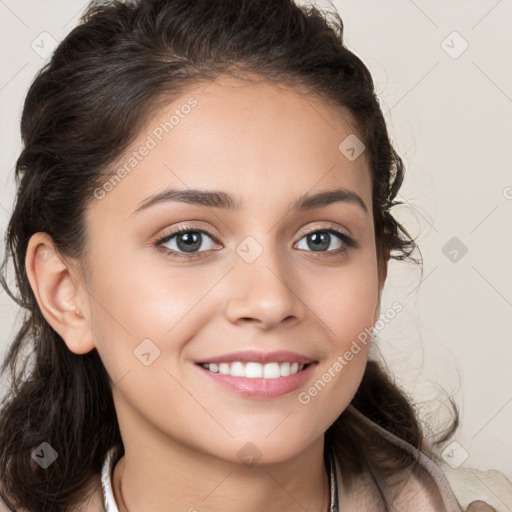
[(266, 145)]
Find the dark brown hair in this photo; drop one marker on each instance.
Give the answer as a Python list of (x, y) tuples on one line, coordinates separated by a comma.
[(83, 109)]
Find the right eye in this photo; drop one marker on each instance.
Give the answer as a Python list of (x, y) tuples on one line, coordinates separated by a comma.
[(186, 241)]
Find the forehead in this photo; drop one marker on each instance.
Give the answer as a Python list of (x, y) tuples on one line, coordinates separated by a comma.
[(262, 140)]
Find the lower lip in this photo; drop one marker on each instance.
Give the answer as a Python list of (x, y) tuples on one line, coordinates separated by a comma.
[(260, 388)]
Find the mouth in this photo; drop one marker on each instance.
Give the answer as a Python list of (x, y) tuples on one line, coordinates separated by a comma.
[(255, 370), (258, 381)]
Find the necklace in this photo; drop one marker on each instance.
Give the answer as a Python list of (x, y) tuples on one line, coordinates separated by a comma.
[(110, 504)]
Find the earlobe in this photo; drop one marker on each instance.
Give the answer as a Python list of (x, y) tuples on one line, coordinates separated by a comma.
[(62, 300)]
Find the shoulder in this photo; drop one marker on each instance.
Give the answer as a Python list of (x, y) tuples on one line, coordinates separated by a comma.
[(421, 491), (491, 487), (478, 491), (415, 489), (432, 485), (423, 484)]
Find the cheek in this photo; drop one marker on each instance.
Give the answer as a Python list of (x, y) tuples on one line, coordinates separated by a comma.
[(146, 310), (133, 304), (345, 299), (346, 302)]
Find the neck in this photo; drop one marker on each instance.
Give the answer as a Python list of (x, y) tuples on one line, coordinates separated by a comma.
[(145, 480)]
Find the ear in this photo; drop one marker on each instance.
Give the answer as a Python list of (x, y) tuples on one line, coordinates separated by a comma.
[(63, 301)]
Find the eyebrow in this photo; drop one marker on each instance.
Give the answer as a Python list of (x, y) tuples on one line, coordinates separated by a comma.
[(220, 199)]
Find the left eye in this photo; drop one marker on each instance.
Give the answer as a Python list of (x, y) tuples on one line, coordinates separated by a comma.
[(322, 239)]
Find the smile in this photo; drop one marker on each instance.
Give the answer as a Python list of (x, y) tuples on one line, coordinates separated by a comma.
[(258, 381)]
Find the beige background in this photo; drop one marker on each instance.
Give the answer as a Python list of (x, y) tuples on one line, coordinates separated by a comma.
[(449, 110)]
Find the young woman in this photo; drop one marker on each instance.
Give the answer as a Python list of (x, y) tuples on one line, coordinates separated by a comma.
[(200, 241)]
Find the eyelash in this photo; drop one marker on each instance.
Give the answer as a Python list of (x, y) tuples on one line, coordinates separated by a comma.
[(348, 242)]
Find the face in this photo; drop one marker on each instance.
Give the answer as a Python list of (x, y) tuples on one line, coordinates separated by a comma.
[(264, 276)]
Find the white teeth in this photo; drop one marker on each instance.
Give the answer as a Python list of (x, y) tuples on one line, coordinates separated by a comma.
[(271, 371), (255, 370), (237, 369), (252, 370), (285, 369), (224, 368)]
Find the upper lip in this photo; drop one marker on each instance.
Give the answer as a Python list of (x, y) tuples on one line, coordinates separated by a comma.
[(246, 356)]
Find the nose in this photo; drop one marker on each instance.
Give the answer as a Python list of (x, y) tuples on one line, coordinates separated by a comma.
[(265, 292)]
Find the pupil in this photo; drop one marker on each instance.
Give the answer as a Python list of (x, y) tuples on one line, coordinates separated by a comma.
[(191, 241), (320, 239)]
